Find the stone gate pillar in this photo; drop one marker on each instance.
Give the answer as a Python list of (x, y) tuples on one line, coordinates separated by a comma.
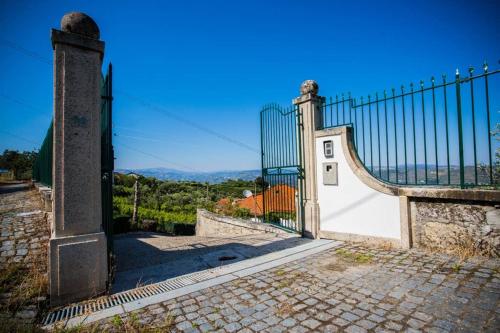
[(310, 104), (77, 248)]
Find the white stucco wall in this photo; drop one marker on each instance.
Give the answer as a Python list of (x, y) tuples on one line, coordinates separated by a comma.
[(351, 206)]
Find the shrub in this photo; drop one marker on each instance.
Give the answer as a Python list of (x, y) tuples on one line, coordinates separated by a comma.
[(149, 225), (121, 224), (242, 213), (184, 229)]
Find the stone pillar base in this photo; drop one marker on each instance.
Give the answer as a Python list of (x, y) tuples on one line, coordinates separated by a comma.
[(311, 216), (77, 267)]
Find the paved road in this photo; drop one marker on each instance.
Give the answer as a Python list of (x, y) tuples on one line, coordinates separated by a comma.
[(147, 257), (13, 187), (352, 289)]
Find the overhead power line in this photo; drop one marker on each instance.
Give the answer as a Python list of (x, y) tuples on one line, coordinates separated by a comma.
[(182, 143), (20, 137), (157, 157), (20, 102), (191, 123), (27, 52), (143, 102)]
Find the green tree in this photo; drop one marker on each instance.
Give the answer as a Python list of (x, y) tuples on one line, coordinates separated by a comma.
[(21, 163)]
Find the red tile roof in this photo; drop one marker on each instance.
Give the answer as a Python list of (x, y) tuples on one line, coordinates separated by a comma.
[(279, 198)]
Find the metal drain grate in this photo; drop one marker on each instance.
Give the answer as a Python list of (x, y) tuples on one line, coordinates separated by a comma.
[(261, 263), (80, 309)]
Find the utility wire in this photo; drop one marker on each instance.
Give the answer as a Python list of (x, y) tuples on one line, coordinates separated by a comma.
[(160, 140), (20, 137), (157, 157), (27, 52), (20, 102), (143, 102), (191, 123)]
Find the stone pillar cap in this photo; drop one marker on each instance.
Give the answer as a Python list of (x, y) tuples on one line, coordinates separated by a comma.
[(309, 87), (81, 24)]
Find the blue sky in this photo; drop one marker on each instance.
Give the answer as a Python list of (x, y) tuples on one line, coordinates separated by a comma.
[(215, 63)]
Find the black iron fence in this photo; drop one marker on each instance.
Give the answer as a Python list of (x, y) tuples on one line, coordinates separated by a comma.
[(440, 134)]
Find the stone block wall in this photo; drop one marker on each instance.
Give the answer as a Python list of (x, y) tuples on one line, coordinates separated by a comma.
[(214, 225), (456, 224)]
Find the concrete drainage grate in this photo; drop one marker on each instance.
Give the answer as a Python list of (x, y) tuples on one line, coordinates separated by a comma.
[(93, 309), (75, 310)]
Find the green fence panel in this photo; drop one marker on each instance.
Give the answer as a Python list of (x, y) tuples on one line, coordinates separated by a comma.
[(282, 171), (107, 160), (42, 167), (425, 136)]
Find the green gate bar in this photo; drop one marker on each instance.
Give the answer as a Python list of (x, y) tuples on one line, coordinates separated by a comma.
[(282, 170), (437, 157)]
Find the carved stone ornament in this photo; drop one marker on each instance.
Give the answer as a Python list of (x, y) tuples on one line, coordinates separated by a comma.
[(309, 87), (80, 23)]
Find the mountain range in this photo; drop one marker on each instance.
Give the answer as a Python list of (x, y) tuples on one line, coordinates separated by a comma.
[(179, 175)]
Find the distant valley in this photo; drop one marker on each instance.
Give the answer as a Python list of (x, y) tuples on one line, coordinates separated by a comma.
[(179, 175)]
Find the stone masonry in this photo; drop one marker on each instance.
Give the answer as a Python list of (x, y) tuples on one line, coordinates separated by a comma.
[(214, 225), (457, 225), (77, 247), (348, 289)]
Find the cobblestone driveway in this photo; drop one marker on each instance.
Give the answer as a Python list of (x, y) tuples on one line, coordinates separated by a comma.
[(23, 253), (24, 230), (351, 289)]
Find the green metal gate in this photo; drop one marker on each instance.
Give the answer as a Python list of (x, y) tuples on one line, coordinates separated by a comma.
[(282, 171), (107, 160)]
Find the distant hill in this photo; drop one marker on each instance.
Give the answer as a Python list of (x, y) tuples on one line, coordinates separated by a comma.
[(179, 175)]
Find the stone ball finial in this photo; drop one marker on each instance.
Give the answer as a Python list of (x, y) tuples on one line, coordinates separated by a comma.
[(309, 87), (80, 23)]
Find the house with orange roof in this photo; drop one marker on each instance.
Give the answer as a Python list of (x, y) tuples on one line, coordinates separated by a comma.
[(278, 198)]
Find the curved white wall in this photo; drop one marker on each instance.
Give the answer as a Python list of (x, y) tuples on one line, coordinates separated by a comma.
[(351, 206)]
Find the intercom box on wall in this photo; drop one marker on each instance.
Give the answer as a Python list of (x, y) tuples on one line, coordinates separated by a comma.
[(328, 148)]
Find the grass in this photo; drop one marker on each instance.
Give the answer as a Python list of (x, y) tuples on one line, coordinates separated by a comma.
[(284, 284), (280, 272), (359, 258), (464, 247), (128, 324), (284, 309), (25, 285), (456, 267), (10, 325), (131, 323), (10, 277)]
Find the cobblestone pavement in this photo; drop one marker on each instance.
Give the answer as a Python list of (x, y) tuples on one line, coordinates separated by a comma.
[(348, 289), (23, 239), (157, 257)]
